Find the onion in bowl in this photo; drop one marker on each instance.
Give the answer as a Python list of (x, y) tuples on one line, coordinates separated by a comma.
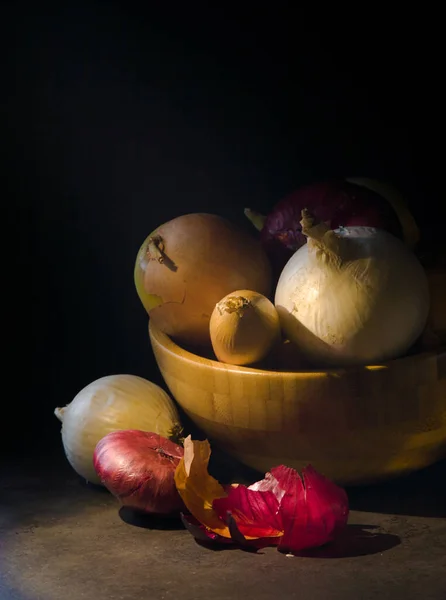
[(352, 296), (244, 328), (338, 202), (190, 263)]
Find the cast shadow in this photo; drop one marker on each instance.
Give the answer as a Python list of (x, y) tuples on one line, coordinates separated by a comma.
[(354, 541), (420, 494), (218, 547), (145, 521)]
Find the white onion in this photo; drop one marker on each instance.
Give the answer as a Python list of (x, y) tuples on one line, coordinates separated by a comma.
[(352, 296), (113, 403)]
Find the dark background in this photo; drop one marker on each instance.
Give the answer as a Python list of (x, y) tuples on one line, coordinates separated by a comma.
[(118, 119)]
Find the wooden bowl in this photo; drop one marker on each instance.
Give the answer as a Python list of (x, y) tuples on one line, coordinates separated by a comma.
[(355, 425)]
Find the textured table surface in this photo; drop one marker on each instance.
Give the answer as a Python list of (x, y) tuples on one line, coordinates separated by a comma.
[(63, 540)]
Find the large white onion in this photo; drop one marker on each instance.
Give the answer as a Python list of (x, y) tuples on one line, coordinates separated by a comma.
[(434, 335), (113, 403), (352, 296)]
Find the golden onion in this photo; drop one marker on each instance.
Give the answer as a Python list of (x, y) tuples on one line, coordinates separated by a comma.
[(188, 264), (244, 327)]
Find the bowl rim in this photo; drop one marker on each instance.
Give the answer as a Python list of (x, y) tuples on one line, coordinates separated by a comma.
[(175, 349)]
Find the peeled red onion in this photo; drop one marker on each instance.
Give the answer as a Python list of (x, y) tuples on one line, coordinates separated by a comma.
[(285, 509), (138, 468), (337, 203)]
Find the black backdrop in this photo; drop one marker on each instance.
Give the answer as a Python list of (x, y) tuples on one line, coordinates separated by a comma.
[(118, 120)]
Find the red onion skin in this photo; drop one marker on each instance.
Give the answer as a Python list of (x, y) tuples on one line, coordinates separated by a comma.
[(138, 468), (336, 202), (291, 511)]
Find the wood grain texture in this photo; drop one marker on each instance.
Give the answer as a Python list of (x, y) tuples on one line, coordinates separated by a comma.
[(355, 425)]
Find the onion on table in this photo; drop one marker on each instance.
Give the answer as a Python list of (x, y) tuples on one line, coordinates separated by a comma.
[(113, 403), (188, 264), (138, 468), (352, 296)]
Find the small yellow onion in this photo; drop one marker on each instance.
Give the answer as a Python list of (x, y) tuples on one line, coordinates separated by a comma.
[(244, 327)]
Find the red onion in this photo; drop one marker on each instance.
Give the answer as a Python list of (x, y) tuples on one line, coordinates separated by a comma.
[(336, 202), (296, 511), (138, 468), (291, 511)]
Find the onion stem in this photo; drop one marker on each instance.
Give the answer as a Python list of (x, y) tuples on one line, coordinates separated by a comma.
[(322, 236), (59, 413), (234, 304), (155, 248)]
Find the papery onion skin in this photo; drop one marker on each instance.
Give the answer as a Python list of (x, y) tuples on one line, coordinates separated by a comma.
[(304, 511), (244, 328), (138, 468), (313, 509), (256, 513), (201, 533), (368, 306), (197, 487), (112, 403), (188, 264), (206, 537), (282, 509)]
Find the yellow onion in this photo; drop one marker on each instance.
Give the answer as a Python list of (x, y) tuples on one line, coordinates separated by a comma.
[(113, 403), (244, 327), (186, 265)]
